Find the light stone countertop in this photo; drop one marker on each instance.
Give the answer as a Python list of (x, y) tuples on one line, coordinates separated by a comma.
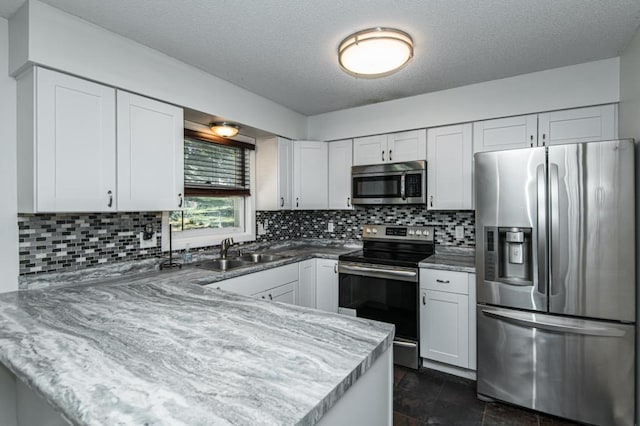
[(156, 349), (451, 259)]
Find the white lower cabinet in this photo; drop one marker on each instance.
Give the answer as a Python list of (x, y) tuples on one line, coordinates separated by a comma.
[(447, 317), (327, 285), (285, 293), (307, 283)]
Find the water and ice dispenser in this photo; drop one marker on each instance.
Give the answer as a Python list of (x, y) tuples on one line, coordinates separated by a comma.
[(508, 255)]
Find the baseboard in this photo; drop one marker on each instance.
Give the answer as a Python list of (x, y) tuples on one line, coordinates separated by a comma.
[(449, 369)]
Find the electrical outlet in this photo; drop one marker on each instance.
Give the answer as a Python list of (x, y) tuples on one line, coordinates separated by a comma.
[(150, 243), (330, 226), (459, 232), (261, 228)]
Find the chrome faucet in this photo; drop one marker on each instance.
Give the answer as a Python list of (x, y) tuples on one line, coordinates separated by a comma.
[(224, 247)]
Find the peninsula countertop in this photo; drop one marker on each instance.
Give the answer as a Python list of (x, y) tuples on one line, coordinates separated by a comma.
[(157, 349)]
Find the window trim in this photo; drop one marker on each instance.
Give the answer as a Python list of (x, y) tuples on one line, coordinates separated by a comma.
[(197, 238)]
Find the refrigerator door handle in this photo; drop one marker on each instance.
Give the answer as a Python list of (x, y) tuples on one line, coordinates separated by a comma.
[(554, 225), (542, 230), (551, 324)]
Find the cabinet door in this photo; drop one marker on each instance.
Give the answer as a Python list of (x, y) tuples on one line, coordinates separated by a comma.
[(327, 285), (340, 161), (75, 144), (310, 175), (505, 133), (150, 154), (407, 146), (449, 160), (285, 174), (286, 293), (307, 283), (370, 150), (578, 125), (444, 327)]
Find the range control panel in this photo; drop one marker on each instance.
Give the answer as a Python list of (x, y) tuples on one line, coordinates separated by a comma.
[(394, 232)]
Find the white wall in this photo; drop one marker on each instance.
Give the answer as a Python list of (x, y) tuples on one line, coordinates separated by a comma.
[(47, 36), (8, 203), (586, 84)]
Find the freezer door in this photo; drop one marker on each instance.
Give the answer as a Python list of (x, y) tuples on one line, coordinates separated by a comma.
[(579, 369), (510, 228), (592, 223)]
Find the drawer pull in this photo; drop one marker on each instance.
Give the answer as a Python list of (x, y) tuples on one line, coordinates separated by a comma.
[(443, 281)]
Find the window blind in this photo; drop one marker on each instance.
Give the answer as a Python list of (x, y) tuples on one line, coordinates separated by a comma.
[(215, 169)]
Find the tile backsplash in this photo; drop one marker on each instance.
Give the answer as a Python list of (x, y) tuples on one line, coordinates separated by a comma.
[(57, 242), (283, 225)]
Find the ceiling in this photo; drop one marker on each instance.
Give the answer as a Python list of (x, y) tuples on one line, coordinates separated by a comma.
[(285, 50)]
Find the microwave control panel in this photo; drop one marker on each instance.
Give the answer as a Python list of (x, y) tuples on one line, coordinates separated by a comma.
[(413, 185)]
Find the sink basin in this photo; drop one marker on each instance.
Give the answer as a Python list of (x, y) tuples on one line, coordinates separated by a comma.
[(223, 264), (260, 257)]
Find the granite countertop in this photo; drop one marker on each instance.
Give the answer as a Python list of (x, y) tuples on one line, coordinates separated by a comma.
[(451, 259), (157, 349)]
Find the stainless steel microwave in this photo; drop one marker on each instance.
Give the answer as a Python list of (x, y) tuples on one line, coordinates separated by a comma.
[(396, 183)]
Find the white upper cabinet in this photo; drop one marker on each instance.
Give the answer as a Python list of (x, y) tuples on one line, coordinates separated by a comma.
[(578, 125), (67, 144), (340, 161), (505, 133), (274, 174), (390, 148), (550, 128), (407, 146), (310, 175), (150, 154), (449, 168)]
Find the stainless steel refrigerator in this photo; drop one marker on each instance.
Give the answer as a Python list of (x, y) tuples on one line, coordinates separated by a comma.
[(555, 263)]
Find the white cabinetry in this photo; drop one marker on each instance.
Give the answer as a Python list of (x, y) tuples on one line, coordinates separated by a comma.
[(307, 283), (390, 148), (285, 293), (447, 317), (327, 285), (67, 144), (274, 174), (84, 149), (449, 167), (551, 128), (150, 154), (340, 161), (310, 175)]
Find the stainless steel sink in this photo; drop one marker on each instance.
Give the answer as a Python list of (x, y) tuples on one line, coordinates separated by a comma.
[(223, 264), (261, 257)]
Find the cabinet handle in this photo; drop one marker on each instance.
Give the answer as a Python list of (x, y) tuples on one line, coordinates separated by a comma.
[(110, 194), (270, 296), (382, 155), (443, 281), (281, 201), (297, 202), (390, 151), (544, 142), (180, 202), (424, 299), (348, 201), (531, 141), (335, 268), (263, 297), (430, 200)]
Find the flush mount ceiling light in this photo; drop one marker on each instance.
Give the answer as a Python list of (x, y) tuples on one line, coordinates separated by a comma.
[(375, 52), (224, 129)]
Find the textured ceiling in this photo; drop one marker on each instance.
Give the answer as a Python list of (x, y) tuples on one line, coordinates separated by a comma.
[(285, 50)]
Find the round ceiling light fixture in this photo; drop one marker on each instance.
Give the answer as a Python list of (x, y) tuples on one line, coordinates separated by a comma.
[(224, 129), (375, 52)]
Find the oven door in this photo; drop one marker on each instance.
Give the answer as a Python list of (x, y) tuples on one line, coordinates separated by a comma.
[(384, 293)]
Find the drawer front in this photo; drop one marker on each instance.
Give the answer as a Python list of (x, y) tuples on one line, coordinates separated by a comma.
[(447, 281)]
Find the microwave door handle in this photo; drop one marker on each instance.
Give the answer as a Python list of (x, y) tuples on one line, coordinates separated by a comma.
[(403, 192)]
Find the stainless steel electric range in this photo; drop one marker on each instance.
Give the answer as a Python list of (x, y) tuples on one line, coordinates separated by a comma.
[(381, 282)]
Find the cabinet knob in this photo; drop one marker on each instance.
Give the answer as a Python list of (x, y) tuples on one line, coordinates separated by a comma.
[(383, 155), (430, 200), (335, 268), (390, 151), (544, 137), (348, 201), (297, 202), (180, 198), (270, 296), (443, 281), (424, 299), (281, 201), (531, 141), (110, 194)]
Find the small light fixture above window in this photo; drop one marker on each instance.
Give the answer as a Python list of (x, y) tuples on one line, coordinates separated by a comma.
[(375, 52), (224, 129)]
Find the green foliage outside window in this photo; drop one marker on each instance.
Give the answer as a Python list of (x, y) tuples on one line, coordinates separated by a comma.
[(206, 212)]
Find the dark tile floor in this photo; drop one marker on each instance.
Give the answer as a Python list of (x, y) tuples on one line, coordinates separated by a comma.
[(428, 397)]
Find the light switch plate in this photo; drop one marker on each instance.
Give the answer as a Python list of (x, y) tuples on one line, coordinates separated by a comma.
[(459, 232), (330, 226), (150, 243)]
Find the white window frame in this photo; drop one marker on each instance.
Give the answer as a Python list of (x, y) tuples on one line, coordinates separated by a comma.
[(196, 238)]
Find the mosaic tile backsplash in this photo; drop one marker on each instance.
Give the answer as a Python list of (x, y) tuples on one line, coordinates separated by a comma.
[(57, 242), (284, 225)]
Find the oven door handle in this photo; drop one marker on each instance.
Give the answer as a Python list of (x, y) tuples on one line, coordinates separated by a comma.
[(377, 272)]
